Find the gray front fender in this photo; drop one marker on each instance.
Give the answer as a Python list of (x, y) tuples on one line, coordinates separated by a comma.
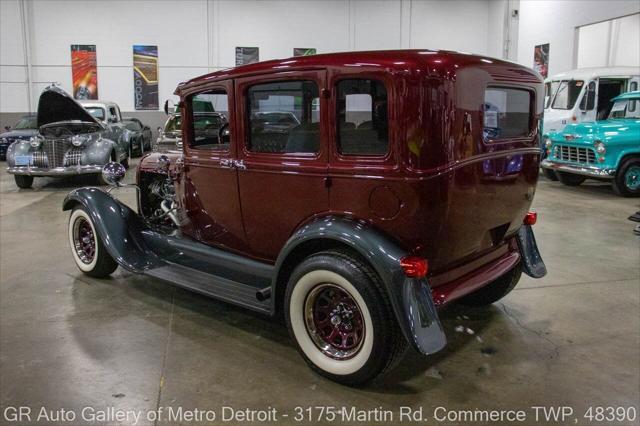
[(118, 227), (410, 298), (99, 152)]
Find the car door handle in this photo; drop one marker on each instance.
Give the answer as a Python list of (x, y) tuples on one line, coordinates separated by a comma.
[(239, 164), (227, 163)]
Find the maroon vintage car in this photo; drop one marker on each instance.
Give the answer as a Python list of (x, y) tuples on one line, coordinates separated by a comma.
[(354, 192)]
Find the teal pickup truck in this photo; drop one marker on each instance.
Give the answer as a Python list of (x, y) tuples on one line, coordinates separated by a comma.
[(604, 150)]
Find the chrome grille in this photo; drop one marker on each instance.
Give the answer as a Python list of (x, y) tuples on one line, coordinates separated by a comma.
[(574, 154), (39, 159), (72, 157), (55, 150)]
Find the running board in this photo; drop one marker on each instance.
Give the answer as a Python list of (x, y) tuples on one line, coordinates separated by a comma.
[(214, 286)]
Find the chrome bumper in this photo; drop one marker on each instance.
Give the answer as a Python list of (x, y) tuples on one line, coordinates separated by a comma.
[(593, 172), (55, 171)]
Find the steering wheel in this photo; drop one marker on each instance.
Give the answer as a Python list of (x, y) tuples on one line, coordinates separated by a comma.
[(223, 131)]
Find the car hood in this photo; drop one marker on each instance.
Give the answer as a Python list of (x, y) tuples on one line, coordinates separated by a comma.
[(601, 130), (56, 105), (18, 134)]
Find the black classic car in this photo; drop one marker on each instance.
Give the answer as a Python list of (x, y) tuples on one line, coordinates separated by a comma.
[(24, 130), (138, 135), (73, 138)]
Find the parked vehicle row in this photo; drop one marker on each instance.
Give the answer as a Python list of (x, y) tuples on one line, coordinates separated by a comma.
[(69, 137), (340, 191), (607, 150)]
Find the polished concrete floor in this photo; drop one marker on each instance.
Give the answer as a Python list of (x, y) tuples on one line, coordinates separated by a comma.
[(70, 342)]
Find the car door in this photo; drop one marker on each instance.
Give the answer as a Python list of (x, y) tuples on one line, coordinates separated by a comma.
[(281, 122), (209, 186)]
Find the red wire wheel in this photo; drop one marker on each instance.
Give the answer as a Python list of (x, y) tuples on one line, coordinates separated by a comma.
[(334, 321)]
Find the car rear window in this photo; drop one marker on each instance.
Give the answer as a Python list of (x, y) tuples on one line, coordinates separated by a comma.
[(507, 113), (362, 117)]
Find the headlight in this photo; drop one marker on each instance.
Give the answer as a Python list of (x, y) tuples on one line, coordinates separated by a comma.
[(600, 148), (547, 142), (78, 140), (35, 141)]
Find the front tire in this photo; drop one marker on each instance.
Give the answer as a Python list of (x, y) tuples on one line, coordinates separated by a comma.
[(627, 180), (550, 174), (340, 317), (23, 181), (87, 249), (495, 290), (570, 179)]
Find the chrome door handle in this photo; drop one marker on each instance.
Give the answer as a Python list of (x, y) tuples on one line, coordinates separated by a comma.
[(239, 164), (226, 163)]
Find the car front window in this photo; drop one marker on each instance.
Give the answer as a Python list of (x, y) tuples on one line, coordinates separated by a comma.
[(27, 123), (625, 109), (550, 91), (567, 94), (132, 125), (174, 124), (96, 112)]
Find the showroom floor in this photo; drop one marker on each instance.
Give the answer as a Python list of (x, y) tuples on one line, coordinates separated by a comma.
[(70, 341)]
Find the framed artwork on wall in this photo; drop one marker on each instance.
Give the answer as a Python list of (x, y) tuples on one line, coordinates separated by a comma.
[(304, 51), (84, 71), (145, 77), (541, 59), (247, 55)]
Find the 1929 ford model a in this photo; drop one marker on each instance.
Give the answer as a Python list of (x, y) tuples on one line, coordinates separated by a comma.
[(405, 185)]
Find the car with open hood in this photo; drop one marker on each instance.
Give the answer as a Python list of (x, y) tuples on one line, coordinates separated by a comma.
[(73, 138), (23, 130), (392, 193), (607, 150)]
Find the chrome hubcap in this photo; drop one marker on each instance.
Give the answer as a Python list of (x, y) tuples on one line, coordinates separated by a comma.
[(334, 321), (632, 178), (84, 240)]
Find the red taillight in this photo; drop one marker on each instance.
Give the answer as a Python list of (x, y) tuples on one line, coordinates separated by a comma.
[(531, 218), (414, 266)]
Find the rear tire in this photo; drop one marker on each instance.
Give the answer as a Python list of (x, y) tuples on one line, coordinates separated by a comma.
[(570, 179), (550, 174), (333, 293), (627, 180), (495, 290), (23, 181), (87, 249)]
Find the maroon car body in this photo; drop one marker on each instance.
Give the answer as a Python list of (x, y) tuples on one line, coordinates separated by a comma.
[(432, 192), (452, 190)]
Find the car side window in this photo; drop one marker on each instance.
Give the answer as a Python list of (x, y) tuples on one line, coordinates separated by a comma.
[(284, 117), (209, 117), (633, 104), (113, 114), (362, 117)]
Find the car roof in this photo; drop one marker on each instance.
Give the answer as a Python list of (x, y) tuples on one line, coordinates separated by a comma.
[(628, 95), (592, 72), (437, 61)]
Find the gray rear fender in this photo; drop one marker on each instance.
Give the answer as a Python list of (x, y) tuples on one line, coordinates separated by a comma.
[(410, 298), (119, 228)]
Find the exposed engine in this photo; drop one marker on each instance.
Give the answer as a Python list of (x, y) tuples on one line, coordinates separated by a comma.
[(158, 200)]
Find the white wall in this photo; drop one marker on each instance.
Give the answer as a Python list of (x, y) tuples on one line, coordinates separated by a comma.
[(556, 22), (610, 43), (197, 36)]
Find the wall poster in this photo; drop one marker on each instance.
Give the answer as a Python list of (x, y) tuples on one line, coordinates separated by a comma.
[(84, 71), (541, 59), (247, 55), (303, 51), (145, 77)]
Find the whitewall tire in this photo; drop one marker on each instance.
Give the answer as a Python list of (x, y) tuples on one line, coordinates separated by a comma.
[(87, 249), (340, 317)]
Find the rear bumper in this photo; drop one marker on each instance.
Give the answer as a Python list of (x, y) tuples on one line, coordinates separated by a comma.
[(55, 171), (521, 249), (589, 171)]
